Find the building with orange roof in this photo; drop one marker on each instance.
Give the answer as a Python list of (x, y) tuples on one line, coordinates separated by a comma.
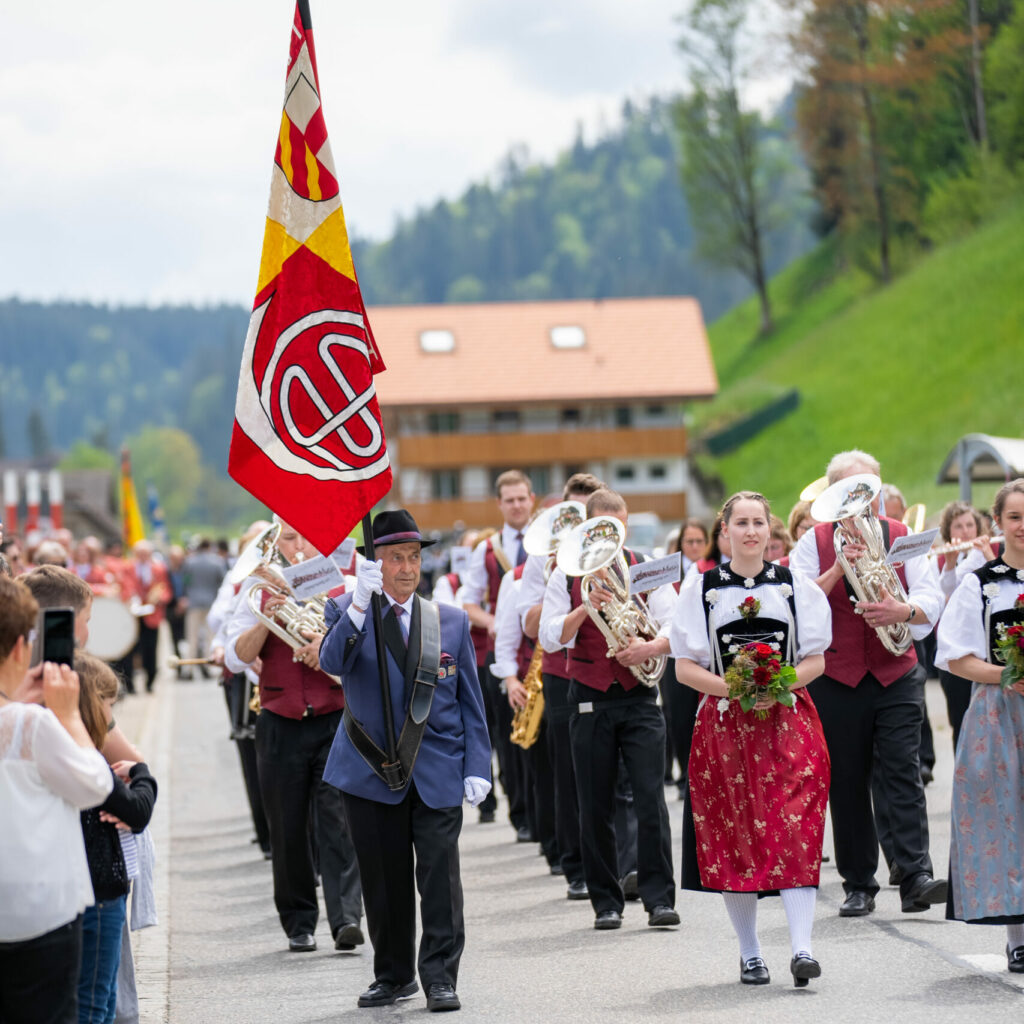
[(551, 388)]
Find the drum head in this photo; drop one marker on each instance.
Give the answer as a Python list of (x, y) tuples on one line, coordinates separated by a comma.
[(113, 629)]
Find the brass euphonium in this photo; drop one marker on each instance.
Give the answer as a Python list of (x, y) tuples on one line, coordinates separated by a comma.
[(848, 504), (593, 551), (292, 621), (541, 538)]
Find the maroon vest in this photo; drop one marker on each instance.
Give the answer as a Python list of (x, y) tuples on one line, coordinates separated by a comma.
[(483, 642), (588, 661), (288, 687), (856, 649)]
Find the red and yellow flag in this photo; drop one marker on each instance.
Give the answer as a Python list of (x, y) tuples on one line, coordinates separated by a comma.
[(308, 439), (132, 530)]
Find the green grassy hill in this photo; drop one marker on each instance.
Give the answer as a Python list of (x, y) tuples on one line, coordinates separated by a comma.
[(901, 371)]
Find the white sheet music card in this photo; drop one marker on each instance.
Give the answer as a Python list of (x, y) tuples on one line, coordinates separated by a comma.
[(914, 545), (655, 573), (342, 554), (459, 556), (312, 576)]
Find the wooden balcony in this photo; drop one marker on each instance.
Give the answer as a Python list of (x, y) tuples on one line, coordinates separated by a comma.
[(442, 515), (452, 451)]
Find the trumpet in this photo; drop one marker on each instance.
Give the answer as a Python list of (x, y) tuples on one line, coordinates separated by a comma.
[(848, 503), (593, 551)]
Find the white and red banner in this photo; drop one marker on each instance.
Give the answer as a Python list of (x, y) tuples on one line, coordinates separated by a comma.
[(308, 439)]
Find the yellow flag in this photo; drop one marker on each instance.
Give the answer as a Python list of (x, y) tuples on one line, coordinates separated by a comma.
[(132, 530)]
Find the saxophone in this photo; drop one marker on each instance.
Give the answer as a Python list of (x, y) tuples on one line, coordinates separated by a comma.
[(526, 721)]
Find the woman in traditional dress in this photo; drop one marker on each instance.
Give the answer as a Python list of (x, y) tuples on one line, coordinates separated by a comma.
[(754, 816), (986, 875)]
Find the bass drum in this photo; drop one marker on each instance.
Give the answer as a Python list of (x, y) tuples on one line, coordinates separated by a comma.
[(113, 630)]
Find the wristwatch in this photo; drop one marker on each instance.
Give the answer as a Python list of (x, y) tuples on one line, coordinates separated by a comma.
[(913, 612)]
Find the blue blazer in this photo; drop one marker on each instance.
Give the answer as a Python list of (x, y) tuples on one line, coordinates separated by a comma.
[(455, 743)]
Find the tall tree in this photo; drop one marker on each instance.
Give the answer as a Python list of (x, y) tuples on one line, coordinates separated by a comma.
[(723, 160)]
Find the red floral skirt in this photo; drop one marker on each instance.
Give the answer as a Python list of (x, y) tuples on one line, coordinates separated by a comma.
[(758, 791)]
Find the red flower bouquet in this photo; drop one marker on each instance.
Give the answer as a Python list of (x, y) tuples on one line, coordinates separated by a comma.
[(757, 674), (1010, 648)]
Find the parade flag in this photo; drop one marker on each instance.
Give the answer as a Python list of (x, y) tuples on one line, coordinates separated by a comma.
[(308, 440), (132, 530)]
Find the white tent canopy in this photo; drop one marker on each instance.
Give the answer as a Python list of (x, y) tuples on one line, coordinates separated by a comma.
[(982, 457)]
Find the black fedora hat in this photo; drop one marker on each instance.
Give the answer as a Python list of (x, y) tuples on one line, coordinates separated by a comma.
[(396, 526)]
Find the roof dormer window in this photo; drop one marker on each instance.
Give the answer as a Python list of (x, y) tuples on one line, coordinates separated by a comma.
[(441, 340), (568, 336)]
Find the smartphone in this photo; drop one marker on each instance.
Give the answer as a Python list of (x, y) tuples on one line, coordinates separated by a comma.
[(57, 635)]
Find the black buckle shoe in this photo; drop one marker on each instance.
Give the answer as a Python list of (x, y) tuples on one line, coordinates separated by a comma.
[(442, 997), (804, 967), (754, 971), (857, 904), (384, 993)]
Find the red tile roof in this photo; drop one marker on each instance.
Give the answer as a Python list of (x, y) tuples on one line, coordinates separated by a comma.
[(646, 349)]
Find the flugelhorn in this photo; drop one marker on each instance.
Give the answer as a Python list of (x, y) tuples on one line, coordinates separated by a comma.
[(593, 551), (848, 504)]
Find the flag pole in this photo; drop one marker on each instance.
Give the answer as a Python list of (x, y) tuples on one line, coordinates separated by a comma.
[(393, 769)]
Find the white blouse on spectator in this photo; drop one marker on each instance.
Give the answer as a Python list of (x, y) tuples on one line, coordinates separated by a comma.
[(45, 780)]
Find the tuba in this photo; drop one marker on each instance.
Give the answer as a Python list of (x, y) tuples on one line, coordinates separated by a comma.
[(848, 504), (593, 551), (541, 538)]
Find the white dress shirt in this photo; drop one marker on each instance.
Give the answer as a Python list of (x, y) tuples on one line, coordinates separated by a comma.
[(475, 585), (508, 631)]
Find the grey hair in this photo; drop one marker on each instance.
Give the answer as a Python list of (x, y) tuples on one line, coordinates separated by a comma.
[(842, 463)]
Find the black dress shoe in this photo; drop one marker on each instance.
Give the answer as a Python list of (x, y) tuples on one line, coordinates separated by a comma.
[(523, 834), (384, 993), (606, 920), (923, 893), (754, 971), (442, 997), (803, 967), (349, 936), (662, 917), (857, 904), (1015, 960), (629, 887), (486, 817), (301, 943), (577, 891)]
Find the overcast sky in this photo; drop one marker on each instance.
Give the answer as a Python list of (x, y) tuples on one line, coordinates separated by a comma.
[(138, 138)]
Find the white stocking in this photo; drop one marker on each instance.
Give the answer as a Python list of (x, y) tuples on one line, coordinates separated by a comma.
[(742, 910), (799, 906)]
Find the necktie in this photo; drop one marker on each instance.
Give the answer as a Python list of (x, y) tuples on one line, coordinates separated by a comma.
[(403, 625), (521, 553)]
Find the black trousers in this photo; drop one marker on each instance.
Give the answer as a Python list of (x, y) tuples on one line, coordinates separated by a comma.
[(511, 759), (540, 793), (39, 977), (236, 693), (858, 722), (563, 775), (148, 636), (290, 757), (631, 725), (395, 843)]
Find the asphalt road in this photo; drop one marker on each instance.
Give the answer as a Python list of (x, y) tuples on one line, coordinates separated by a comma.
[(219, 955)]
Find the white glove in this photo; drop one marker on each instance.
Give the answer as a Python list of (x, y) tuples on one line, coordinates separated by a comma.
[(476, 789), (369, 581)]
